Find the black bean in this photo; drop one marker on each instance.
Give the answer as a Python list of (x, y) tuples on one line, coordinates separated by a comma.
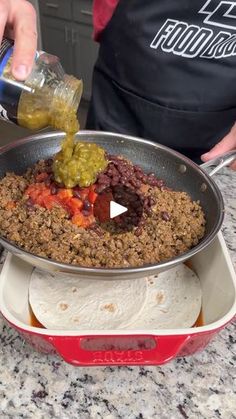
[(49, 162), (160, 183), (165, 216), (139, 211), (116, 178), (132, 181), (112, 157), (135, 220), (133, 198), (118, 195), (145, 179), (109, 173), (114, 181), (100, 188), (152, 181), (139, 175), (151, 200), (104, 179), (29, 203), (54, 189), (59, 185), (76, 194), (47, 182), (149, 211), (129, 173), (49, 170), (122, 169), (138, 183), (127, 185), (87, 206), (86, 212), (115, 173)]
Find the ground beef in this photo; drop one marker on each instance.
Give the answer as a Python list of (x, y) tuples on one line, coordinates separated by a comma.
[(174, 225)]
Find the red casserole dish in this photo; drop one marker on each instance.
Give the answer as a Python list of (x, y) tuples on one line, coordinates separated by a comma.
[(127, 347)]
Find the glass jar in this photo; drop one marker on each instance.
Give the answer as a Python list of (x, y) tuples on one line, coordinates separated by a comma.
[(47, 97)]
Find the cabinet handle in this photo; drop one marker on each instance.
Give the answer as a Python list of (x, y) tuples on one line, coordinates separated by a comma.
[(66, 34), (52, 5), (73, 36), (86, 12)]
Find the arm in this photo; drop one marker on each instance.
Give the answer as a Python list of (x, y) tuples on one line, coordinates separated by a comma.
[(228, 143), (18, 22)]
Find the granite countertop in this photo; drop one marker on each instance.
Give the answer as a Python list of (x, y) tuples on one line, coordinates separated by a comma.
[(34, 385)]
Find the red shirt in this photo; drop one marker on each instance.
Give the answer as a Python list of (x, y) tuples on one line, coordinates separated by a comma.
[(102, 14)]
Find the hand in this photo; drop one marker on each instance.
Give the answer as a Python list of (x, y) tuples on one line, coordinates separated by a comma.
[(18, 22), (227, 144)]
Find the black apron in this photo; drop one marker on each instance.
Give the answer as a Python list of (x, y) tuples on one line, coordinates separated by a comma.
[(166, 71)]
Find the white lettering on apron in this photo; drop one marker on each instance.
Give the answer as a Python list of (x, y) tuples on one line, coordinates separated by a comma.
[(190, 41)]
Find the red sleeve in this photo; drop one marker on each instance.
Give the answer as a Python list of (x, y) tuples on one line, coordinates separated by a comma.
[(102, 14)]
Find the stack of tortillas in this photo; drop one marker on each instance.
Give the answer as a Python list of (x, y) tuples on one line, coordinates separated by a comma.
[(169, 300)]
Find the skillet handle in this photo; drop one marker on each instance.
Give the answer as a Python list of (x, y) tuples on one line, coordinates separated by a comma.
[(221, 161)]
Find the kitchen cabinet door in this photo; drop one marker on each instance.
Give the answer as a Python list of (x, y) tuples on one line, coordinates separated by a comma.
[(82, 11), (85, 55), (57, 8), (56, 39)]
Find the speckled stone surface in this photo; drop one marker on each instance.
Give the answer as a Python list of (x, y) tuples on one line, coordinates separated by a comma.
[(202, 386)]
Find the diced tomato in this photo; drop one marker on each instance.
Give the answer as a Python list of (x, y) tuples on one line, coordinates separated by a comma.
[(36, 188), (44, 194), (74, 204), (41, 195), (50, 201), (65, 193), (41, 177), (78, 219), (82, 221), (92, 196)]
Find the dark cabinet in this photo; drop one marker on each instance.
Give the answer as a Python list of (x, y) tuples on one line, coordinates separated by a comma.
[(85, 55), (67, 30), (56, 8), (56, 41)]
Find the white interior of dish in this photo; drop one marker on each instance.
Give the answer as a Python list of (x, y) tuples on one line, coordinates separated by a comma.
[(212, 265)]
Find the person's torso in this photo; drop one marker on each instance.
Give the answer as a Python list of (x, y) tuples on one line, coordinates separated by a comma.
[(179, 53)]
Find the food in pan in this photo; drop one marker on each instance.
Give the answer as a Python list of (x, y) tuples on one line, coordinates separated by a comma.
[(169, 300), (78, 163), (50, 220)]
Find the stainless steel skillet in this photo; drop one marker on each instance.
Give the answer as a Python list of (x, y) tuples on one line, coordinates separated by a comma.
[(177, 171)]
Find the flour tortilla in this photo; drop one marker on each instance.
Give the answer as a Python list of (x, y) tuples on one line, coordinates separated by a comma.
[(169, 300)]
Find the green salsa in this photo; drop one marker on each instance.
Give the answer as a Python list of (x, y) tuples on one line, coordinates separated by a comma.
[(78, 163)]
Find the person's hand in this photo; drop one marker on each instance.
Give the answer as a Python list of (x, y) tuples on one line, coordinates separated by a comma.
[(227, 144), (18, 22)]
